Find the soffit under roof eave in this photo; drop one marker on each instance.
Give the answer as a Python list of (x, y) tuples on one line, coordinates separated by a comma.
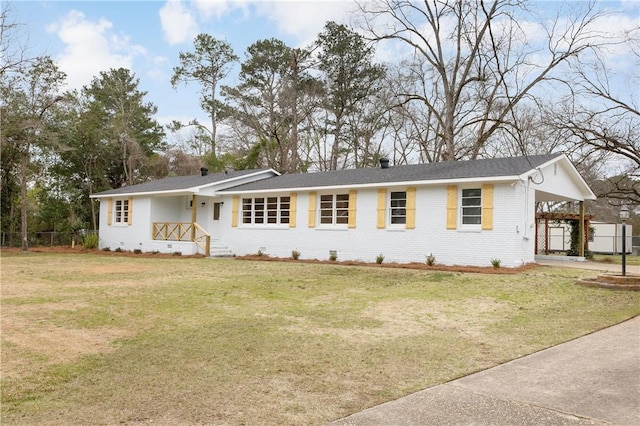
[(542, 196), (583, 187)]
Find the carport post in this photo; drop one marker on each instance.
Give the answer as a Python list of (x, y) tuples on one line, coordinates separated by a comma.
[(194, 200), (581, 228), (624, 215)]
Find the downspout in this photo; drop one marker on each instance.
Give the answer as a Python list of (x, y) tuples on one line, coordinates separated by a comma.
[(194, 207)]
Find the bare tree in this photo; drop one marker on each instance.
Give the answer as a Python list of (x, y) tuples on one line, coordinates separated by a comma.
[(474, 62), (601, 113), (13, 48)]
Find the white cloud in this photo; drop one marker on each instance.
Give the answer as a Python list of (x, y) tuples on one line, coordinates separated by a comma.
[(157, 69), (616, 29), (177, 22), (305, 19), (91, 47), (219, 8)]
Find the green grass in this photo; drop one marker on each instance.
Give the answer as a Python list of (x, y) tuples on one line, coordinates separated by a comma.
[(617, 259), (107, 339)]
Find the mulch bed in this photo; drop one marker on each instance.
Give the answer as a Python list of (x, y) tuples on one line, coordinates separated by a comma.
[(83, 250), (414, 265), (265, 258)]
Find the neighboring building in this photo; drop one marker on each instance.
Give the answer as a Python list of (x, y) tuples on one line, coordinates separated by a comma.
[(607, 238), (604, 238), (462, 212)]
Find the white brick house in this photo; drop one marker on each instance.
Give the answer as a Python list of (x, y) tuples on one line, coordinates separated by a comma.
[(464, 212)]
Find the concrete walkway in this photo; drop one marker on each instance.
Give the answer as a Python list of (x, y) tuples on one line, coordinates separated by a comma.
[(593, 266), (594, 379)]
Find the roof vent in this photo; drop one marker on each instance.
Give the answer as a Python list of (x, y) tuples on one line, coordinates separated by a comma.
[(204, 171), (384, 163)]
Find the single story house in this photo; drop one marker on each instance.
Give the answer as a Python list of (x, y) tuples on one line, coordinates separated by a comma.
[(461, 212)]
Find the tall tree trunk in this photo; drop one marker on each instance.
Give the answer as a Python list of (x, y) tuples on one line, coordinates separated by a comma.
[(213, 123), (24, 166), (335, 149)]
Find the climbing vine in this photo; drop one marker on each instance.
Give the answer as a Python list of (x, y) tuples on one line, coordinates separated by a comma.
[(575, 239)]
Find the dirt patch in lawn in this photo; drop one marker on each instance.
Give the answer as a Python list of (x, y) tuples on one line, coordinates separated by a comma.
[(36, 338), (402, 318)]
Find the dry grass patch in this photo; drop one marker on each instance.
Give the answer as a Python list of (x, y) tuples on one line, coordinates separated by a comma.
[(93, 339)]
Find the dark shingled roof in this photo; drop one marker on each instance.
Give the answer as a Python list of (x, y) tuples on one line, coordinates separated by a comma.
[(178, 183), (513, 166)]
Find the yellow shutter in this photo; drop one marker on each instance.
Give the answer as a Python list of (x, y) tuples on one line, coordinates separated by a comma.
[(109, 211), (487, 207), (352, 208), (452, 206), (411, 208), (130, 211), (234, 211), (382, 208), (293, 202), (312, 209)]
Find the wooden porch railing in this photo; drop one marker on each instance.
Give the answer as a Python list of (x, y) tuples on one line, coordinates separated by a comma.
[(202, 238), (182, 231)]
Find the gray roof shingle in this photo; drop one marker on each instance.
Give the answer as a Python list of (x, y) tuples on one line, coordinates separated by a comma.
[(177, 183), (450, 170), (496, 167)]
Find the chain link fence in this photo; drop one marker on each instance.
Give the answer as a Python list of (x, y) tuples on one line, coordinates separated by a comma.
[(46, 239)]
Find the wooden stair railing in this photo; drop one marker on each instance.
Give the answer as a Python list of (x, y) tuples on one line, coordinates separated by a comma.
[(182, 231)]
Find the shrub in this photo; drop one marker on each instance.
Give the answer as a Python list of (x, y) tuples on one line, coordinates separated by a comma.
[(118, 250), (380, 259), (91, 241), (295, 254), (431, 260), (177, 253), (260, 252), (137, 251), (106, 249), (333, 255), (495, 263)]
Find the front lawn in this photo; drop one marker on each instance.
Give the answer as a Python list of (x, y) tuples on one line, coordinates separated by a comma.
[(95, 339)]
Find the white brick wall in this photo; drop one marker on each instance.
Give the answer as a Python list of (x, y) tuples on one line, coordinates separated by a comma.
[(511, 240)]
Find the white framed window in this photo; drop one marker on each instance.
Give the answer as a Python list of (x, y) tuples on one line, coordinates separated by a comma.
[(471, 207), (121, 212), (398, 208), (266, 210), (334, 209)]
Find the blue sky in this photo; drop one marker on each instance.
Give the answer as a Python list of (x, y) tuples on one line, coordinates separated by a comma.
[(87, 37)]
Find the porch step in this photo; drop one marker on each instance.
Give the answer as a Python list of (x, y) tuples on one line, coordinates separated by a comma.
[(219, 249)]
